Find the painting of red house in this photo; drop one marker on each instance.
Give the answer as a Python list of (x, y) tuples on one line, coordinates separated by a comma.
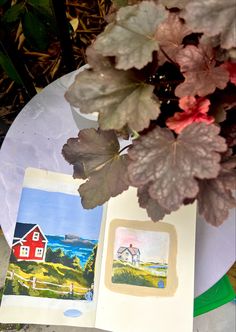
[(29, 243)]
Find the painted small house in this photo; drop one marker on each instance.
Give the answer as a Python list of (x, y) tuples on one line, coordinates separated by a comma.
[(129, 254), (29, 243)]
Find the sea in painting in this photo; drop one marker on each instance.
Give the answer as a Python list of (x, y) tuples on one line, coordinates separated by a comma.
[(140, 258), (54, 247), (81, 248)]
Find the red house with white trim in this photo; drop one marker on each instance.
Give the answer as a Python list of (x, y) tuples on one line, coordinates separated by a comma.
[(29, 243)]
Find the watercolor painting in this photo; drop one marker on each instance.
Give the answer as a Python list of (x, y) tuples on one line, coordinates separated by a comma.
[(140, 257), (54, 247)]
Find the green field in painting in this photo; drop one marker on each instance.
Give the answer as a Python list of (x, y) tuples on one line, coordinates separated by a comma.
[(53, 280), (125, 273)]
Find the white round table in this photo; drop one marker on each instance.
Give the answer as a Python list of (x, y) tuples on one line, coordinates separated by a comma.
[(35, 139)]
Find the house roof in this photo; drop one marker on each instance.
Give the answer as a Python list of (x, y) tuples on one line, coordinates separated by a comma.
[(132, 250), (22, 228)]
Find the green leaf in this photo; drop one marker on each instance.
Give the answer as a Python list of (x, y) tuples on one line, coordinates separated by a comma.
[(212, 18), (2, 2), (35, 31), (14, 13), (171, 165), (42, 6), (95, 155), (131, 38), (9, 68), (117, 95)]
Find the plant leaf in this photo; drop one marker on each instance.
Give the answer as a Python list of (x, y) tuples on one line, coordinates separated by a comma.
[(170, 34), (212, 18), (14, 13), (96, 60), (118, 96), (229, 133), (181, 4), (131, 38), (215, 197), (42, 6), (154, 210), (222, 101), (194, 111), (90, 150), (231, 68), (202, 77), (9, 68), (35, 31), (2, 2), (172, 164), (120, 3), (105, 183), (95, 155)]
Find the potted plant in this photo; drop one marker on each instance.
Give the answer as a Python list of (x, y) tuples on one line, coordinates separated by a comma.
[(163, 74)]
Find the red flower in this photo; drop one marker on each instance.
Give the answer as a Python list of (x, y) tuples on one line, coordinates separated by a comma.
[(231, 67), (195, 110)]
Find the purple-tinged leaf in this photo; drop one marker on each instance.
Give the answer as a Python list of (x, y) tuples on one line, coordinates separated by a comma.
[(90, 150), (111, 180), (170, 34), (202, 77), (215, 196), (131, 38), (117, 95), (95, 155), (154, 210), (213, 17), (172, 164)]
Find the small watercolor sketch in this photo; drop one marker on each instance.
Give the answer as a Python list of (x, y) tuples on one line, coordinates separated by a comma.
[(54, 247), (140, 257)]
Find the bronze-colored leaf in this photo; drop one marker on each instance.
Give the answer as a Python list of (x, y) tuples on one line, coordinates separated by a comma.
[(154, 210), (202, 76), (172, 164), (105, 183), (215, 196)]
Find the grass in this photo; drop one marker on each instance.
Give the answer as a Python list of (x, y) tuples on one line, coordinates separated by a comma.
[(46, 272), (125, 273)]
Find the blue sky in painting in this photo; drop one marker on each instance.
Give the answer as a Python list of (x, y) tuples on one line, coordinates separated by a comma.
[(59, 214)]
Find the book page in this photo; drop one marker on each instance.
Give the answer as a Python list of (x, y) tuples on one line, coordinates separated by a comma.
[(147, 273), (50, 279)]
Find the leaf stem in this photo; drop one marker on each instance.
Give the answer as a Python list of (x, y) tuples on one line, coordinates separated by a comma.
[(126, 147), (167, 56)]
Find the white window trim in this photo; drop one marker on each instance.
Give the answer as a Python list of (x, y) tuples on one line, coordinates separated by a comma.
[(21, 251), (35, 236), (37, 255)]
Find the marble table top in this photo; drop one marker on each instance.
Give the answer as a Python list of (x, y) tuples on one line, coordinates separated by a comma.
[(35, 139)]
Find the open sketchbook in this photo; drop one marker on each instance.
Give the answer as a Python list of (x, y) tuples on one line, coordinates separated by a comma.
[(110, 267)]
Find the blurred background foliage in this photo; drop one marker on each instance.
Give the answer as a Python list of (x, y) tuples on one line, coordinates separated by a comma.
[(41, 40)]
